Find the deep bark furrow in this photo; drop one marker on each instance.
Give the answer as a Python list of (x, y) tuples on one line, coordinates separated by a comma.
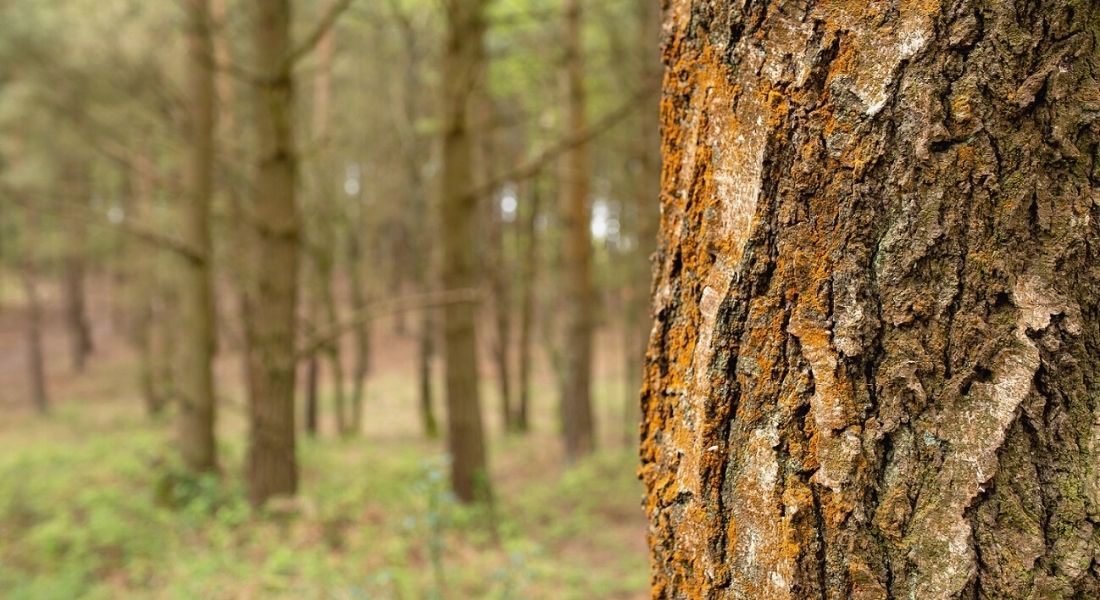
[(876, 265)]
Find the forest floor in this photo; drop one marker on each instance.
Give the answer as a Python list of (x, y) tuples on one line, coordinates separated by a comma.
[(84, 512)]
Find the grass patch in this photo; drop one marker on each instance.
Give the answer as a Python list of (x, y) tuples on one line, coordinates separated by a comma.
[(95, 512)]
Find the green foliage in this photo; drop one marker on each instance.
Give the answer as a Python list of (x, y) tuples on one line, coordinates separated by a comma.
[(98, 511)]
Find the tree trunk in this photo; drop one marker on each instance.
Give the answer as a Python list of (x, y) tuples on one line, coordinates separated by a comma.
[(874, 372), (459, 211), (36, 370), (425, 353), (424, 249), (238, 266), (577, 421), (197, 406), (144, 335), (74, 271), (327, 310), (500, 284), (271, 323), (646, 212), (312, 409), (360, 296), (529, 283), (76, 311), (147, 298)]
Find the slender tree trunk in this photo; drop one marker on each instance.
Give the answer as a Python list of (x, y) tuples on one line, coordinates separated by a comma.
[(348, 408), (154, 376), (327, 310), (426, 351), (359, 300), (76, 312), (500, 285), (639, 320), (272, 304), (313, 323), (312, 410), (459, 211), (425, 229), (397, 250), (529, 283), (148, 376), (876, 365), (240, 223), (577, 420), (197, 405), (74, 270), (36, 370)]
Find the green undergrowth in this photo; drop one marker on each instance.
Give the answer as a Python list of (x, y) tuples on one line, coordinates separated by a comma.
[(104, 514)]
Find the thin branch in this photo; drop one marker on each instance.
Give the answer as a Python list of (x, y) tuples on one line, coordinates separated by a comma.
[(536, 164), (79, 214), (328, 20), (382, 308)]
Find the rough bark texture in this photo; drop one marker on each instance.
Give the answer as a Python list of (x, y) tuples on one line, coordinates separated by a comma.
[(577, 420), (458, 211), (874, 372), (197, 337), (273, 297)]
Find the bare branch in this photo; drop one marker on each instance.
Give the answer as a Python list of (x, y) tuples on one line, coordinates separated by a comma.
[(382, 308), (328, 20), (536, 164), (75, 212)]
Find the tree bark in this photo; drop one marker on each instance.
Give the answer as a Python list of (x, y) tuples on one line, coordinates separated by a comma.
[(874, 371), (272, 305), (577, 420), (74, 271), (36, 369), (360, 298), (529, 283), (197, 405), (500, 288), (646, 212), (459, 211), (425, 230), (425, 352), (312, 408), (147, 298)]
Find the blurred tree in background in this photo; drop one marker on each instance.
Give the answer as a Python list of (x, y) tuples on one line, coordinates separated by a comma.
[(248, 210)]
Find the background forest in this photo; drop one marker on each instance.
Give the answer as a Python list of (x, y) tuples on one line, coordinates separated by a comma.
[(324, 298)]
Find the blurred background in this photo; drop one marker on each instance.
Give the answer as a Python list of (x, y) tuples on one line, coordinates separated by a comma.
[(324, 298)]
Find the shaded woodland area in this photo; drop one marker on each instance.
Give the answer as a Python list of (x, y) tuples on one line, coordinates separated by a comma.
[(324, 298)]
